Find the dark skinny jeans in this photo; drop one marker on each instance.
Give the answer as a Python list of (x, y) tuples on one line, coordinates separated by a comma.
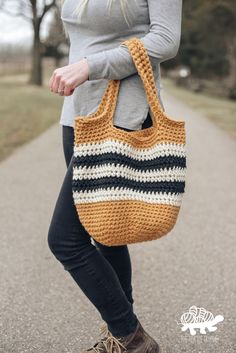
[(102, 272)]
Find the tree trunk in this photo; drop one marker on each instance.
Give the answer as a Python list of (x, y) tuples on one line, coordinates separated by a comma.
[(57, 61), (231, 53), (36, 68), (231, 79)]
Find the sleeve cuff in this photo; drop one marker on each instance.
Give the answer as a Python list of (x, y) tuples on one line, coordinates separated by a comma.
[(112, 64), (97, 66)]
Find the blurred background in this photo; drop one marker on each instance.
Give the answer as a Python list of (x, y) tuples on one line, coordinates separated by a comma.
[(33, 43)]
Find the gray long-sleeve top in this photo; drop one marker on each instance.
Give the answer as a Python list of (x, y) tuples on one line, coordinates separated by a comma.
[(98, 37)]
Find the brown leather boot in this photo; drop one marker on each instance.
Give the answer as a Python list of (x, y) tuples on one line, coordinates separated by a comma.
[(99, 346), (137, 342)]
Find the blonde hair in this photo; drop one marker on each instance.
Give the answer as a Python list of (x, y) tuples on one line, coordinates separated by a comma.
[(82, 4)]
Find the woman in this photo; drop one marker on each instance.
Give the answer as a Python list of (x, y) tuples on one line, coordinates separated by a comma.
[(96, 55)]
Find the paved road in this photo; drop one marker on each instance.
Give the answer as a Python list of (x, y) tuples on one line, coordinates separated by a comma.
[(42, 309)]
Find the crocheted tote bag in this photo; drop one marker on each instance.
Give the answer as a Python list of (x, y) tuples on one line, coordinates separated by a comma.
[(128, 185)]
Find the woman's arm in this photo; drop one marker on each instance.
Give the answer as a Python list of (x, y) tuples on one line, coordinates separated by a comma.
[(162, 43)]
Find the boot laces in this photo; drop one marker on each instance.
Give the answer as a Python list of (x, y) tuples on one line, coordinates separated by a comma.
[(112, 344)]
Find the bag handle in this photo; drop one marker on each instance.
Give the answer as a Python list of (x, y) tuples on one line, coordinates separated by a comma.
[(144, 68)]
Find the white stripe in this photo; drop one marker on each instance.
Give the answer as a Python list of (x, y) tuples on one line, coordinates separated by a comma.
[(112, 170), (112, 146), (111, 194)]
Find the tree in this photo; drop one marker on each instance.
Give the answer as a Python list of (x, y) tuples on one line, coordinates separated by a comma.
[(56, 43), (33, 11), (221, 18), (208, 43)]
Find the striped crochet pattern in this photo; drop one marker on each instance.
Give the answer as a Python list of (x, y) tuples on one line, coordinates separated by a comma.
[(128, 185)]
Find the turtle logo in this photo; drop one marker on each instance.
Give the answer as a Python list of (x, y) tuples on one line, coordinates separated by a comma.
[(199, 318)]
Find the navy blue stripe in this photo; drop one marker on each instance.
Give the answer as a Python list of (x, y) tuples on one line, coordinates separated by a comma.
[(160, 186), (116, 158)]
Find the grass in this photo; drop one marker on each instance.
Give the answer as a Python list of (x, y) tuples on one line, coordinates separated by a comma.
[(25, 111), (220, 110)]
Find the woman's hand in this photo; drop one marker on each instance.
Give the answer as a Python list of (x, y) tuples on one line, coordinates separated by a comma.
[(65, 79)]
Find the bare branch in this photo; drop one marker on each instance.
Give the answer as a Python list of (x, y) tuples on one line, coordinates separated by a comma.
[(33, 3), (46, 8)]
